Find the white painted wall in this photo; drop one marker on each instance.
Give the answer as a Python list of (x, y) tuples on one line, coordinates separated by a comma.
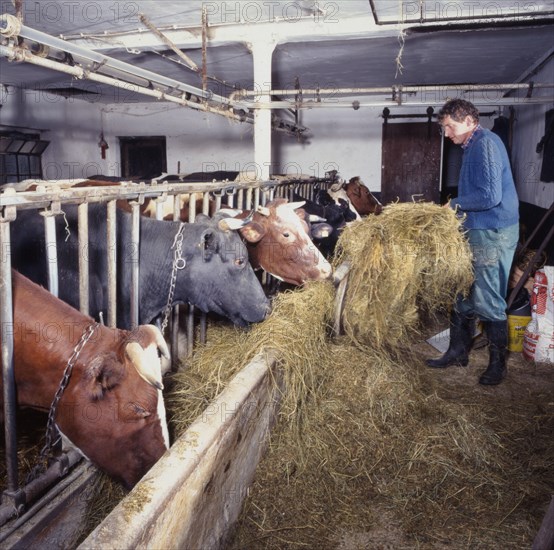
[(72, 126), (198, 141), (528, 131), (340, 139), (344, 139)]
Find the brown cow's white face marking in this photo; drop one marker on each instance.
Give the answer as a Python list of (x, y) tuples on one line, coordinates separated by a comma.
[(341, 194), (151, 357), (296, 236)]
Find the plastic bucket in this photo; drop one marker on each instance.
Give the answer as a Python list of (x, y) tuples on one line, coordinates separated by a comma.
[(516, 331)]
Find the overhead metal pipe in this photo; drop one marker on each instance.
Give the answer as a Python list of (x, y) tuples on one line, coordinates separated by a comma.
[(11, 28), (386, 89), (391, 103), (189, 62), (20, 54)]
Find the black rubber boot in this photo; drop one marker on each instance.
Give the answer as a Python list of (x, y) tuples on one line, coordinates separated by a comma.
[(498, 341), (461, 337)]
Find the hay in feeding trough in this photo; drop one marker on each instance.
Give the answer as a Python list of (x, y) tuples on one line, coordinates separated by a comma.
[(411, 258), (296, 328)]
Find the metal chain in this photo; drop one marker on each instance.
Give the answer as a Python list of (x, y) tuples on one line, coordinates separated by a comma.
[(178, 263), (50, 425)]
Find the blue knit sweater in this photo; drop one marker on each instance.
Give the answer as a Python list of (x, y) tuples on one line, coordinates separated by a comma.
[(486, 189)]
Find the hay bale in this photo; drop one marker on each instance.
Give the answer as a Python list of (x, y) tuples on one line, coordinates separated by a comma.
[(411, 258)]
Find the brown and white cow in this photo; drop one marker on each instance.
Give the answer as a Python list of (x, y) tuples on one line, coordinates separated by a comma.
[(358, 196), (277, 239), (278, 242), (361, 197), (112, 409)]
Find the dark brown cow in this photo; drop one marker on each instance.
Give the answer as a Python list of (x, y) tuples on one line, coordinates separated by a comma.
[(361, 197), (112, 410), (278, 242)]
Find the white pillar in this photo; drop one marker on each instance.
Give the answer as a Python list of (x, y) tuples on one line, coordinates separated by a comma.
[(262, 54)]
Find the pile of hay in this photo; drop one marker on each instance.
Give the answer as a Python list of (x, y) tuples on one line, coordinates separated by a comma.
[(297, 328), (410, 259), (365, 444)]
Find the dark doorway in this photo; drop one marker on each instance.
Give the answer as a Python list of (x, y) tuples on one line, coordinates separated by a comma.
[(143, 157), (411, 162), (452, 164)]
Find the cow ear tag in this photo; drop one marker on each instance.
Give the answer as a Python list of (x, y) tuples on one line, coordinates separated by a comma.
[(252, 232), (209, 244)]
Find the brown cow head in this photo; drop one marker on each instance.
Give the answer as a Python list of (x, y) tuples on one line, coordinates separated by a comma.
[(113, 409), (278, 242), (361, 197)]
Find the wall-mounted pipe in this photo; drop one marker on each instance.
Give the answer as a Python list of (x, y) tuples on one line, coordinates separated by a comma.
[(387, 89), (332, 104)]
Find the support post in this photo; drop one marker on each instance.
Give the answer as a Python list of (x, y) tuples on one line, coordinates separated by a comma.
[(262, 53)]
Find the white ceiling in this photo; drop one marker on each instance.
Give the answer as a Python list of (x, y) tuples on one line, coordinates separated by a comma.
[(335, 44)]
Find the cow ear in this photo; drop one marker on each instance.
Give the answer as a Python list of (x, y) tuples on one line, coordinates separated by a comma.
[(302, 214), (253, 232), (209, 244), (296, 205), (202, 218), (321, 230), (102, 375)]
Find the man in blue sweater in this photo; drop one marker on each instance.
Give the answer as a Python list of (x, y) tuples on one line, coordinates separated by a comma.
[(488, 201)]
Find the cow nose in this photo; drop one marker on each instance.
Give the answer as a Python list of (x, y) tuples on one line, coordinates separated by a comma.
[(326, 270)]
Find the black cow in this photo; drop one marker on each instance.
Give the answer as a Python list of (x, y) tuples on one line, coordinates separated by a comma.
[(217, 276), (334, 217)]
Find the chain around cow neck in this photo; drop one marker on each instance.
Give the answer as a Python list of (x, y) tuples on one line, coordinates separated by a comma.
[(179, 263), (50, 425)]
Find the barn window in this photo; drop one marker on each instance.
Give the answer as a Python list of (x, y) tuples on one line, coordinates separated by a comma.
[(20, 157)]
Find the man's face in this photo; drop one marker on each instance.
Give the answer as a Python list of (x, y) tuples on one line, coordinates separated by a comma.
[(458, 132)]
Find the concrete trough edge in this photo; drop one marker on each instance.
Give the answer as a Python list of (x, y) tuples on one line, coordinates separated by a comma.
[(192, 497)]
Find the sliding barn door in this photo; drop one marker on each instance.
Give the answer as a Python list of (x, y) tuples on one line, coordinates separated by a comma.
[(411, 162)]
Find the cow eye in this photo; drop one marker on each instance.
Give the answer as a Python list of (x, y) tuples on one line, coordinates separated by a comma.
[(240, 262), (286, 235)]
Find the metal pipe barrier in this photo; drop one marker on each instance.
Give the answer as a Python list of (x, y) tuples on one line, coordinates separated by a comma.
[(49, 199)]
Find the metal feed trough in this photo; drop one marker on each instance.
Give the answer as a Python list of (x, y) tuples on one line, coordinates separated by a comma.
[(238, 436)]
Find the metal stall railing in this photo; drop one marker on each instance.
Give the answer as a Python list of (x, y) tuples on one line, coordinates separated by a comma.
[(49, 200)]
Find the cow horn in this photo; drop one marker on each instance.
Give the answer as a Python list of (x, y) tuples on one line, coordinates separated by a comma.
[(312, 218), (295, 205), (230, 212), (160, 341), (227, 224), (263, 210), (136, 354)]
